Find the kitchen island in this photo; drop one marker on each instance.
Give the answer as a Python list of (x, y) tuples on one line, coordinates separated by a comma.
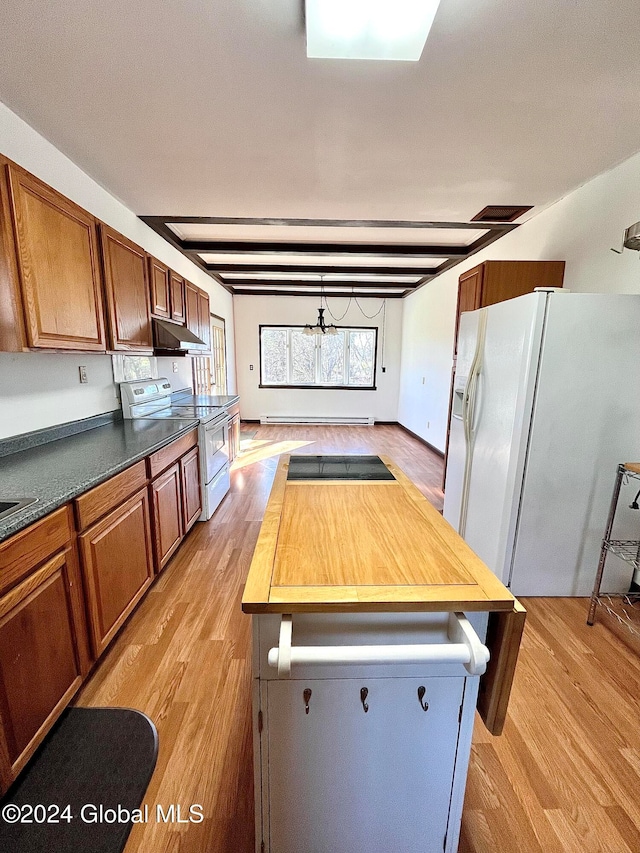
[(372, 625)]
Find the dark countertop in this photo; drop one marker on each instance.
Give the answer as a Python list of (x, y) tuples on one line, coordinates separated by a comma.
[(189, 399), (61, 470)]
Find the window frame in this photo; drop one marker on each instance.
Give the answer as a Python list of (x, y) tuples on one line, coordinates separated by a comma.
[(314, 385)]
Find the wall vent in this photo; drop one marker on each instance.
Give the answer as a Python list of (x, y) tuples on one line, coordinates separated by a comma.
[(500, 213), (310, 420)]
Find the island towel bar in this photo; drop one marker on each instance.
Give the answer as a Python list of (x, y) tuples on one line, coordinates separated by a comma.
[(464, 647)]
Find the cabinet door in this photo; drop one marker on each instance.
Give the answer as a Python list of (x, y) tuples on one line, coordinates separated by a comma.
[(127, 290), (40, 664), (191, 308), (13, 335), (191, 498), (58, 264), (166, 507), (469, 295), (342, 779), (159, 284), (118, 567), (177, 298), (204, 318)]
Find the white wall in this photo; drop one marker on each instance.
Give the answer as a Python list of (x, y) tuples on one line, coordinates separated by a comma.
[(29, 380), (580, 229), (38, 390), (252, 311)]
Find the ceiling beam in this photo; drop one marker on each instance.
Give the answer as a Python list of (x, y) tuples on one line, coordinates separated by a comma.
[(372, 250), (323, 223), (316, 269), (266, 282), (243, 291)]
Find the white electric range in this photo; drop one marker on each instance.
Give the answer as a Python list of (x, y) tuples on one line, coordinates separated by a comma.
[(151, 398)]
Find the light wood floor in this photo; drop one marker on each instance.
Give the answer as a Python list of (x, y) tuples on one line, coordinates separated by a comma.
[(565, 775)]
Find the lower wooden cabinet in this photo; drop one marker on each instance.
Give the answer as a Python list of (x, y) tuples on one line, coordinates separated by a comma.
[(191, 498), (166, 501), (118, 566), (43, 644)]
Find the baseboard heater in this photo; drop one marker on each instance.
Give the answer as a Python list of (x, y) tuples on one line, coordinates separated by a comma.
[(367, 420)]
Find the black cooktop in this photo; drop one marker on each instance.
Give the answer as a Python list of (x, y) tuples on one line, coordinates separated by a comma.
[(338, 468)]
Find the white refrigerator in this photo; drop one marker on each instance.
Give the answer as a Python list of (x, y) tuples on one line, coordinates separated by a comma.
[(546, 403)]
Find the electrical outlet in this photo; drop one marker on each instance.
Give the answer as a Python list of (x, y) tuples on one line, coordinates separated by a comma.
[(428, 424), (83, 374), (384, 369), (174, 365), (423, 378), (250, 367)]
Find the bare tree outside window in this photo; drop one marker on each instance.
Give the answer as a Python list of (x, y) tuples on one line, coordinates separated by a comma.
[(303, 358), (273, 344), (361, 358), (332, 359)]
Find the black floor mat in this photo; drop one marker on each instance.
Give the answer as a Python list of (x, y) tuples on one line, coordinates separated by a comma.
[(93, 758)]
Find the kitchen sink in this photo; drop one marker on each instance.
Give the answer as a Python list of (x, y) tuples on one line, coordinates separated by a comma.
[(9, 507)]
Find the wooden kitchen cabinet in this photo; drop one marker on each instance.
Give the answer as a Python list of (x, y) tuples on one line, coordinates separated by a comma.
[(175, 494), (43, 640), (126, 283), (176, 287), (166, 508), (117, 557), (190, 480), (204, 319), (192, 308), (496, 281), (159, 286), (59, 274), (492, 282)]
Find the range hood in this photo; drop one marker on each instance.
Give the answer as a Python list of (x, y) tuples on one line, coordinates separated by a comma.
[(176, 339)]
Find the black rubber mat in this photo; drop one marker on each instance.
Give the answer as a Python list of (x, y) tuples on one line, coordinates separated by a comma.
[(338, 468), (93, 760)]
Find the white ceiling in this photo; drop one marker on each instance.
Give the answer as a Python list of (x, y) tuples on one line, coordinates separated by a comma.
[(211, 108)]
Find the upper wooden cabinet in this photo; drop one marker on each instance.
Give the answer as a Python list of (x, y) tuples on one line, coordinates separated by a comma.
[(496, 281), (204, 318), (159, 286), (192, 305), (176, 286), (127, 290), (57, 258)]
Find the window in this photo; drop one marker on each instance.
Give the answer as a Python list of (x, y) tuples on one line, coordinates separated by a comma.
[(344, 360)]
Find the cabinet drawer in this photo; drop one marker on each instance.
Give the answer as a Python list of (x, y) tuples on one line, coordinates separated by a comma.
[(171, 453), (94, 504), (27, 549)]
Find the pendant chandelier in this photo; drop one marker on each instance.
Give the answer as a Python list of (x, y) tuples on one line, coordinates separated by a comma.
[(320, 328)]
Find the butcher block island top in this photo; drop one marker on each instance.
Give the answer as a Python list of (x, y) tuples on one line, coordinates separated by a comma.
[(341, 545)]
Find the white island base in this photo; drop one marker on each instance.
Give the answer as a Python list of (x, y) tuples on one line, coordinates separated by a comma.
[(363, 757)]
